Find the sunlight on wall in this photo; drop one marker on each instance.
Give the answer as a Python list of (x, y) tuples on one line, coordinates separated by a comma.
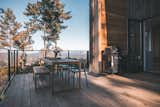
[(102, 28), (98, 36)]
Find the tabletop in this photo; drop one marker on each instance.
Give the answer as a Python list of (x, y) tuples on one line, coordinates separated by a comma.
[(61, 61)]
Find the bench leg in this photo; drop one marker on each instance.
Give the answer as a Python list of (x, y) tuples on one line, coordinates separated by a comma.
[(33, 76), (52, 83), (35, 81), (50, 80)]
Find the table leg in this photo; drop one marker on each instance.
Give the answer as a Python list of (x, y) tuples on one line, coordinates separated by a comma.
[(53, 84), (79, 75)]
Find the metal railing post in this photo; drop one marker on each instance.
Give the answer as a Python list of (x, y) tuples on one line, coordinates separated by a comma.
[(14, 58), (87, 58), (17, 61), (68, 54), (9, 69)]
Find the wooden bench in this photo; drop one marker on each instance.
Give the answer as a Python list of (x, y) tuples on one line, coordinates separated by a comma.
[(40, 70)]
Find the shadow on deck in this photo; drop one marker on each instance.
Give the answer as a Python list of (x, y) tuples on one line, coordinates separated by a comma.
[(106, 91)]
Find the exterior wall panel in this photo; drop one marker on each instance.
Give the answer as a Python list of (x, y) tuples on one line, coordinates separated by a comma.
[(108, 27), (117, 12)]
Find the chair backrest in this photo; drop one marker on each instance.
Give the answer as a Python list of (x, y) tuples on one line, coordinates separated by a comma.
[(83, 65)]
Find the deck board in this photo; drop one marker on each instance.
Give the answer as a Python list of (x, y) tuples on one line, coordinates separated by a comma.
[(106, 91)]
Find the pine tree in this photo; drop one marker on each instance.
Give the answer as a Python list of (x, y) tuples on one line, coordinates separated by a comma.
[(23, 40), (9, 27), (48, 16)]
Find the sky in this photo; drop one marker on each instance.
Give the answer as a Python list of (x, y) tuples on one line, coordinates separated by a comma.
[(75, 37)]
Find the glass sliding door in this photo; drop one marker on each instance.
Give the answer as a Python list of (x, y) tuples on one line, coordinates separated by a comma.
[(151, 44), (147, 45)]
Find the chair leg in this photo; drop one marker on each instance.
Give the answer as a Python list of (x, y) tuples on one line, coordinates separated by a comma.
[(65, 76), (68, 75), (60, 74), (77, 79), (73, 79), (61, 70), (50, 80), (85, 73), (33, 76), (35, 81)]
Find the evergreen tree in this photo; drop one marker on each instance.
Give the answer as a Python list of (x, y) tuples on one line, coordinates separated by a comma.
[(9, 27), (22, 40), (48, 16)]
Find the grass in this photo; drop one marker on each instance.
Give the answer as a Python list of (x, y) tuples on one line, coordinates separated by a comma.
[(3, 77)]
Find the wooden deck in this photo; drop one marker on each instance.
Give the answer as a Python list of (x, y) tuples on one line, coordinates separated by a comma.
[(131, 90)]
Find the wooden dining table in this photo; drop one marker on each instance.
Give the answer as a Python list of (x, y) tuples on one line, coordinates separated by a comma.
[(53, 62)]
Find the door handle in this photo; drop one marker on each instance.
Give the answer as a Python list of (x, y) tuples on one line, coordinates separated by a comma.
[(138, 57)]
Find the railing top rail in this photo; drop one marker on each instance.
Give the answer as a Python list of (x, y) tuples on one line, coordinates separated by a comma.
[(37, 50)]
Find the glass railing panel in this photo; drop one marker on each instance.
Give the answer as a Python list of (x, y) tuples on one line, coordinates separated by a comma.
[(3, 68)]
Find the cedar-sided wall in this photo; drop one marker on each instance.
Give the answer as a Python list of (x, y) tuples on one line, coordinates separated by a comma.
[(98, 33), (124, 20), (94, 38), (117, 24), (108, 27), (144, 12)]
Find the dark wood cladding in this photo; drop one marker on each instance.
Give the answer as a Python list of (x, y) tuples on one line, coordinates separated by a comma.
[(117, 24), (129, 25), (143, 9), (93, 27), (94, 35), (156, 44), (119, 7)]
